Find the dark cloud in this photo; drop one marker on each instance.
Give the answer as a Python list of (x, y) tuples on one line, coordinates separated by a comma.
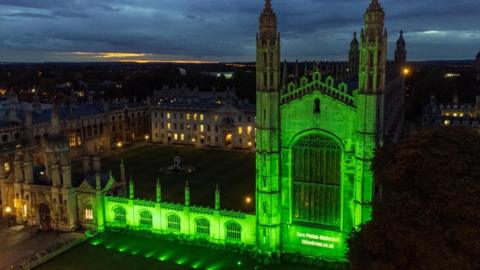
[(30, 15), (225, 29)]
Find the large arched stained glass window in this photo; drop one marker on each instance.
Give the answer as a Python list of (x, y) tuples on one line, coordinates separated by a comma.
[(316, 180)]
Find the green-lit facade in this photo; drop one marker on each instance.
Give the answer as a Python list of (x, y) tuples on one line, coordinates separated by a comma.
[(315, 144)]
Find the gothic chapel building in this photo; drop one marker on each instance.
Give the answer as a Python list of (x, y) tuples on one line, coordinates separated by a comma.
[(316, 139)]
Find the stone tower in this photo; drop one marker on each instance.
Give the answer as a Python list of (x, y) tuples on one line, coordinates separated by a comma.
[(353, 56), (58, 169), (267, 121), (370, 104), (400, 51)]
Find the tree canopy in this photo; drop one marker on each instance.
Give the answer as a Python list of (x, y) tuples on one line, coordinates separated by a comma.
[(428, 213)]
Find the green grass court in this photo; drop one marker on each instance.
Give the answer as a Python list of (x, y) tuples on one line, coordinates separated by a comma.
[(233, 171), (124, 251)]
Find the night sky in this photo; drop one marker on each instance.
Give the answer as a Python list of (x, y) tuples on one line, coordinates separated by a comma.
[(224, 30)]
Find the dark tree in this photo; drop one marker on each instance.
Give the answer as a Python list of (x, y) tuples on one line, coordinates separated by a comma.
[(428, 216)]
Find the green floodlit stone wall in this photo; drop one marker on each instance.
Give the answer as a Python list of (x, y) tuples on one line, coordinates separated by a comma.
[(298, 209), (337, 122), (315, 144), (218, 220)]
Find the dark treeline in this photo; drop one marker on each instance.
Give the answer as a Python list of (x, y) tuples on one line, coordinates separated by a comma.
[(116, 80)]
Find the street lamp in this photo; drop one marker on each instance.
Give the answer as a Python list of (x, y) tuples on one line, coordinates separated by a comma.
[(406, 71), (10, 219)]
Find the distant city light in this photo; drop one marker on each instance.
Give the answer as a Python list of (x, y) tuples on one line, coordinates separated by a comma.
[(8, 209), (119, 144), (451, 75), (406, 71), (147, 137), (248, 200)]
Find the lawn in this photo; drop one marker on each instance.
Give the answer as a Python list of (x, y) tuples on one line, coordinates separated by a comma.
[(124, 251), (233, 171)]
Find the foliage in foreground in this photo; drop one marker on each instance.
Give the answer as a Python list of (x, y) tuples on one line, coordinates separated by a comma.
[(428, 216)]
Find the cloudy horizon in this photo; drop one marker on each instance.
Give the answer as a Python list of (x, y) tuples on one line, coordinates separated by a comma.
[(224, 30)]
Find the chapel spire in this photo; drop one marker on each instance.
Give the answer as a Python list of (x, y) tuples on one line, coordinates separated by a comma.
[(374, 20), (400, 50), (268, 50), (268, 4), (354, 57), (268, 22), (373, 48)]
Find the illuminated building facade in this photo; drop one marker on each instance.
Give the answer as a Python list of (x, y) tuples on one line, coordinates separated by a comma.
[(44, 193), (37, 143), (89, 127), (315, 142), (456, 113), (452, 114), (191, 117)]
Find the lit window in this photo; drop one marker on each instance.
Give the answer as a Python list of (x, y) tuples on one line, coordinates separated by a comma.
[(446, 122), (72, 140), (79, 140), (202, 128), (6, 165), (461, 115), (188, 116), (175, 136), (194, 116), (182, 137), (88, 214), (173, 223), (146, 219), (169, 126), (216, 117), (120, 215), (201, 117), (240, 130), (203, 227), (455, 115), (249, 130), (234, 231), (168, 115)]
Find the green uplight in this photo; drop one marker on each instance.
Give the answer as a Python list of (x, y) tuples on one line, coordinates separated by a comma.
[(239, 263), (150, 254), (123, 249), (165, 256), (96, 242), (196, 265), (216, 266), (181, 260)]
